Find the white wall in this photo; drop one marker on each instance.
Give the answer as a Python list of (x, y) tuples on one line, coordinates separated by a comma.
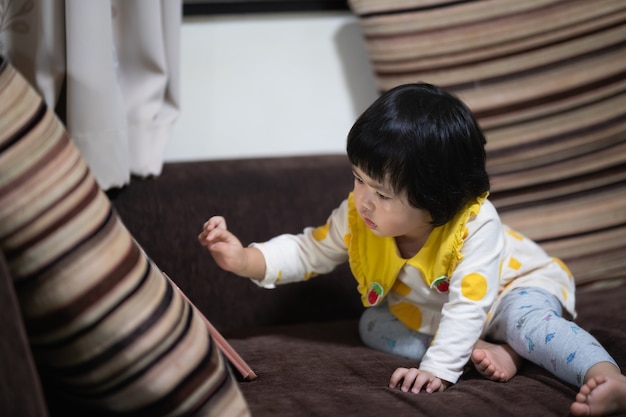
[(269, 85)]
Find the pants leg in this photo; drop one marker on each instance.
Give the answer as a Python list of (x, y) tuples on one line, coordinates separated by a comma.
[(382, 331), (530, 321)]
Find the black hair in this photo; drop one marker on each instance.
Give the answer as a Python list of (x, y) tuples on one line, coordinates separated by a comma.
[(425, 141)]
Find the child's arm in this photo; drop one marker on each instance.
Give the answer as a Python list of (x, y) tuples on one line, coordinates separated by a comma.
[(473, 288), (228, 251)]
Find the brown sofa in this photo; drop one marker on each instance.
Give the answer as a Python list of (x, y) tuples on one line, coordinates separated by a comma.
[(300, 339)]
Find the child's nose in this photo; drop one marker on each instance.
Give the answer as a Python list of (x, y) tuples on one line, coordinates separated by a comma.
[(367, 201)]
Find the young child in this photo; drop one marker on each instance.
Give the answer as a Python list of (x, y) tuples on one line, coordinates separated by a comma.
[(437, 268)]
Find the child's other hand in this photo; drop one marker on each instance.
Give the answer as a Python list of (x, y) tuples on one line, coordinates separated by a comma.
[(415, 380)]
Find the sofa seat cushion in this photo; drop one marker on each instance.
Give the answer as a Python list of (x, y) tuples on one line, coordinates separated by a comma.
[(323, 369)]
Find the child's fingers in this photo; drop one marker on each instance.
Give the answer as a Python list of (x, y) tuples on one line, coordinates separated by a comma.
[(397, 376), (215, 222), (414, 380), (434, 385), (202, 237), (218, 236), (219, 247)]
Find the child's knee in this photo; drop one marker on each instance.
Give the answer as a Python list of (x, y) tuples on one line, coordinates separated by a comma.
[(368, 323)]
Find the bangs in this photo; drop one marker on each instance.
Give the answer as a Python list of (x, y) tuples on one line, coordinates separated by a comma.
[(377, 158)]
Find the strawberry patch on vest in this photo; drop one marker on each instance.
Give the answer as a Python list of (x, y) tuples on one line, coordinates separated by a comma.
[(375, 293), (441, 284)]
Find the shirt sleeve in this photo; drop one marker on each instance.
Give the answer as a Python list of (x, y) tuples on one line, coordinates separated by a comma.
[(473, 288), (292, 258)]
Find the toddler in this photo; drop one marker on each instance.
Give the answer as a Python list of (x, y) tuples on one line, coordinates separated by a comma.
[(438, 271)]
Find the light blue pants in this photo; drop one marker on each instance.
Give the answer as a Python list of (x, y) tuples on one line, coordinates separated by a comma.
[(528, 319), (382, 331), (531, 321)]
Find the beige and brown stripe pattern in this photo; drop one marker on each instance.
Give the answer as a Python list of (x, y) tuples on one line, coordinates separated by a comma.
[(546, 80), (105, 324)]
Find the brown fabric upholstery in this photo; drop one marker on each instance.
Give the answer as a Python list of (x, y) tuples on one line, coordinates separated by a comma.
[(260, 198)]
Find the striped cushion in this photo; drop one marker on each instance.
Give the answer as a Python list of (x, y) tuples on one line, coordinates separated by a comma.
[(546, 80), (105, 325)]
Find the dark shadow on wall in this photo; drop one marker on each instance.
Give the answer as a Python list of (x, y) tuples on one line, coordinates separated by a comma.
[(357, 69)]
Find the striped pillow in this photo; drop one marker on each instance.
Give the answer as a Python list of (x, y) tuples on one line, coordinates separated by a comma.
[(545, 79), (106, 327)]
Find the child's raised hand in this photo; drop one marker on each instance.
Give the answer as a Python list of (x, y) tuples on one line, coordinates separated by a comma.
[(228, 252), (215, 222), (226, 249)]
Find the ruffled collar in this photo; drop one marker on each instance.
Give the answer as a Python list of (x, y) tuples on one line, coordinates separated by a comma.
[(375, 261)]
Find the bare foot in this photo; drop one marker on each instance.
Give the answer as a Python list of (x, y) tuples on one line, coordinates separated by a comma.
[(601, 396), (496, 362)]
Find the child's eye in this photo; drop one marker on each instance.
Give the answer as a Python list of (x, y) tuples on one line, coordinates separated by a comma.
[(359, 180), (383, 197)]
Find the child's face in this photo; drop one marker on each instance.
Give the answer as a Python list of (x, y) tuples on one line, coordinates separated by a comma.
[(386, 213)]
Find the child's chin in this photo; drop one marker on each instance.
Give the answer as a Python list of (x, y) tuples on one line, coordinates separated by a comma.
[(379, 233)]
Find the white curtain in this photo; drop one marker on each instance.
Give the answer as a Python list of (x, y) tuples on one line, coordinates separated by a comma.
[(111, 70)]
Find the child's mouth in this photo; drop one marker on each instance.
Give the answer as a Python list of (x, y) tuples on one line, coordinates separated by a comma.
[(369, 223)]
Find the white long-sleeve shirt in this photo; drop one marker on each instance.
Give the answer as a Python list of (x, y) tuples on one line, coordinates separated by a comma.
[(448, 289)]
